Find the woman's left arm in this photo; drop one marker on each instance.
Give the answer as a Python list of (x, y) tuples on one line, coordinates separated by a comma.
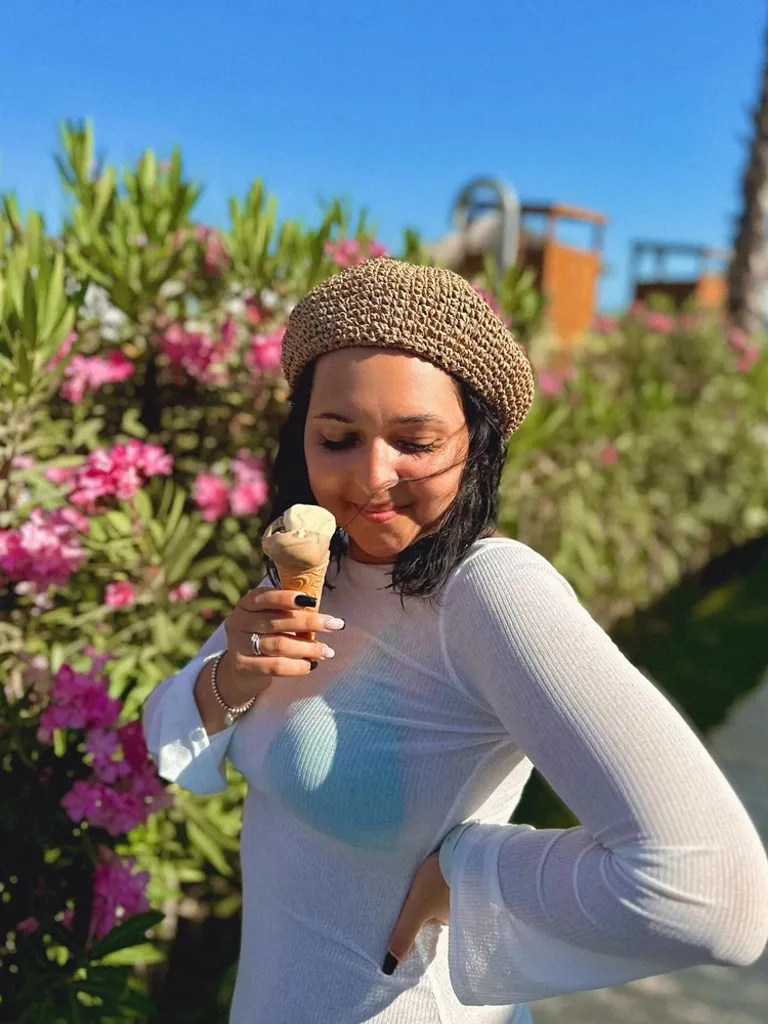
[(665, 870)]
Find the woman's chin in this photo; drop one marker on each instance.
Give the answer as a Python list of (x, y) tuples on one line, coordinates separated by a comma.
[(381, 550)]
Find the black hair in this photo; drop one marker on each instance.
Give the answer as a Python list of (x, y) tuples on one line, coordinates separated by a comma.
[(426, 564)]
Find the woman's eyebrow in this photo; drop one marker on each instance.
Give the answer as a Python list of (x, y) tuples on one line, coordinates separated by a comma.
[(418, 418)]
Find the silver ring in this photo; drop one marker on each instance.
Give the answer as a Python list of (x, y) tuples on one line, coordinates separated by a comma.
[(256, 644)]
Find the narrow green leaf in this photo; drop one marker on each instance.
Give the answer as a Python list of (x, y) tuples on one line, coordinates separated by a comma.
[(102, 196), (30, 311), (143, 953), (130, 933), (208, 847), (55, 302)]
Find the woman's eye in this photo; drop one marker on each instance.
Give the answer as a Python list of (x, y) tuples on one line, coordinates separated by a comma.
[(416, 449), (337, 446), (410, 447)]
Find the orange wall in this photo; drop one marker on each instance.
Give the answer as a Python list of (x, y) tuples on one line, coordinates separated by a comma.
[(569, 280)]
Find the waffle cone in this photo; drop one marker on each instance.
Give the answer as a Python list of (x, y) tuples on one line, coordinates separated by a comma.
[(307, 581)]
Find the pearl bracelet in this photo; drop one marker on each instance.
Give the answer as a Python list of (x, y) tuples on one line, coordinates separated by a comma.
[(232, 713)]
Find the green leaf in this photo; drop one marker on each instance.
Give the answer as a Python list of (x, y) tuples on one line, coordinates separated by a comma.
[(130, 933), (30, 311), (54, 300), (143, 953), (143, 506), (102, 196), (208, 847)]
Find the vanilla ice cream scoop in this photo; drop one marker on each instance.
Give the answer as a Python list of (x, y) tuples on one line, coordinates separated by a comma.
[(298, 543)]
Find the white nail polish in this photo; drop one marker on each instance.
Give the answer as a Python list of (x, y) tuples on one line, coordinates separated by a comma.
[(328, 652)]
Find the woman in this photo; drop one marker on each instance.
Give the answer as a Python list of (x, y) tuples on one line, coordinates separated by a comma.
[(385, 759)]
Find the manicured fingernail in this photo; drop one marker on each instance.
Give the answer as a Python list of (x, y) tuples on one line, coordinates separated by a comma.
[(313, 665), (331, 623), (306, 601), (328, 652), (390, 963)]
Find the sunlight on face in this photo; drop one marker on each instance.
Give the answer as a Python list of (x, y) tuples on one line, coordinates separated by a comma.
[(377, 420)]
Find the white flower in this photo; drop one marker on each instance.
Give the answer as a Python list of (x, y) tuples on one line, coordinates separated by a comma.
[(96, 306), (234, 306), (171, 289)]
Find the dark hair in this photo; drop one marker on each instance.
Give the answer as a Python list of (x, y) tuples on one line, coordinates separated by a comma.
[(426, 564)]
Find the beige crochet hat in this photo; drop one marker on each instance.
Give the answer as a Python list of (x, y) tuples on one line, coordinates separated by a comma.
[(428, 311)]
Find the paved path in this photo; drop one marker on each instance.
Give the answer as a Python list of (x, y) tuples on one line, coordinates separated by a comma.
[(700, 995)]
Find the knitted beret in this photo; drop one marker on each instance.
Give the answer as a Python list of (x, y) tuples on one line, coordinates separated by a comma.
[(427, 311)]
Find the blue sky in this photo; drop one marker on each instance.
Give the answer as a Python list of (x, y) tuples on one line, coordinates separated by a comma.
[(637, 110)]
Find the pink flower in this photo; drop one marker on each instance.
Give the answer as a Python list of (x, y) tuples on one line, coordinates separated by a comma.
[(123, 789), (264, 352), (661, 323), (609, 455), (79, 700), (83, 802), (605, 324), (28, 925), (120, 594), (45, 550), (64, 349), (349, 252), (551, 382), (120, 472), (131, 736), (246, 499), (228, 335), (90, 373), (748, 352), (254, 314), (216, 259), (66, 917), (60, 474), (210, 494), (748, 358), (184, 592), (108, 762), (195, 353), (119, 892), (251, 491), (22, 462)]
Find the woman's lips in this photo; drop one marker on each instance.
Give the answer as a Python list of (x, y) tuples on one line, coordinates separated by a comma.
[(380, 514)]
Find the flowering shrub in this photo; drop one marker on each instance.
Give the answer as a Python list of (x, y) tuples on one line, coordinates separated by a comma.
[(140, 394), (140, 399), (71, 900), (645, 455)]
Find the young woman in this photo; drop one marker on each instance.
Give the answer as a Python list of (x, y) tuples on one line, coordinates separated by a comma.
[(381, 879)]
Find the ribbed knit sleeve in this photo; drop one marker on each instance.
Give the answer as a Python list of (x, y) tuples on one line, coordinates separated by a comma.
[(174, 732), (665, 870)]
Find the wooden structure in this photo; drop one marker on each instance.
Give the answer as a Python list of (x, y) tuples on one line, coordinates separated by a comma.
[(489, 218), (705, 286), (567, 274)]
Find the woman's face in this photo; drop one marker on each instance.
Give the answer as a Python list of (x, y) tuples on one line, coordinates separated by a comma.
[(377, 419)]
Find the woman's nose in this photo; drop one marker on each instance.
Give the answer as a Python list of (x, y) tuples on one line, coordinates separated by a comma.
[(377, 470)]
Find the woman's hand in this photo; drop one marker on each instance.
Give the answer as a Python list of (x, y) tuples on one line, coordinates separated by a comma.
[(274, 615), (429, 899)]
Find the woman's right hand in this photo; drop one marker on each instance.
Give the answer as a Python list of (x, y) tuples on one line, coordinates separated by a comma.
[(274, 615)]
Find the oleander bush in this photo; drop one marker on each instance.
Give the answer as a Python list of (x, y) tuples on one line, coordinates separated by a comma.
[(140, 398)]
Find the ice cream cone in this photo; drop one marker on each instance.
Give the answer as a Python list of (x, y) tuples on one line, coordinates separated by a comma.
[(299, 545)]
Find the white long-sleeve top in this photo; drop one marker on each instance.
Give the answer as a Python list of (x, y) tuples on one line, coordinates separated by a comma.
[(430, 716)]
